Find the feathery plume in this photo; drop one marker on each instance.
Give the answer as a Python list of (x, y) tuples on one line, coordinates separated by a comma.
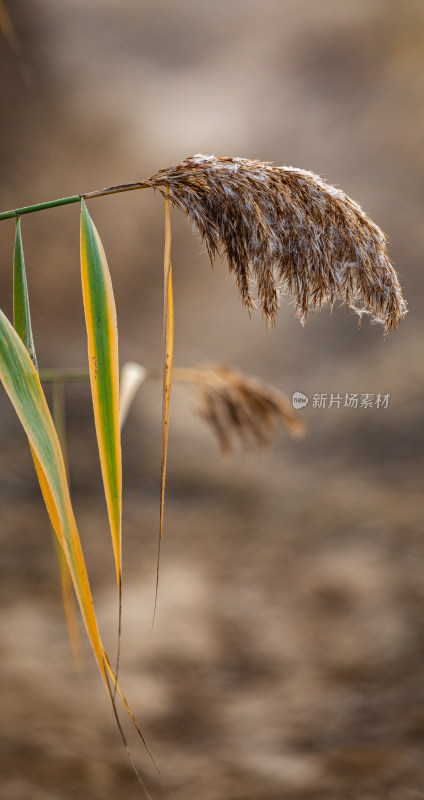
[(239, 405), (286, 231)]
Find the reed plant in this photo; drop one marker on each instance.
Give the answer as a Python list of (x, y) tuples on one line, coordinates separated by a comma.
[(284, 233)]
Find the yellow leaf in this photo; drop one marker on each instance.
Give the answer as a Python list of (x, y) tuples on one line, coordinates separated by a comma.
[(168, 352)]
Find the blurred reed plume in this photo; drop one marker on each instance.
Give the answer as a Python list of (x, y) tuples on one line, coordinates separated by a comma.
[(286, 231), (239, 405)]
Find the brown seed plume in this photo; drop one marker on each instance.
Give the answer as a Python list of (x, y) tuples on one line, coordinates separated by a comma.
[(239, 405), (286, 231)]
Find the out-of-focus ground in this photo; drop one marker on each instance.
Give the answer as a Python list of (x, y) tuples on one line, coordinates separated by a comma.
[(287, 658)]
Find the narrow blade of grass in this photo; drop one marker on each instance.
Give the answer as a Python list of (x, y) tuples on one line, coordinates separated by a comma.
[(132, 376), (21, 312), (135, 724), (100, 317), (168, 352), (22, 384)]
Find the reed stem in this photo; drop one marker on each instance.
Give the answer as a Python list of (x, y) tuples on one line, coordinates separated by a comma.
[(76, 198), (81, 375), (72, 375)]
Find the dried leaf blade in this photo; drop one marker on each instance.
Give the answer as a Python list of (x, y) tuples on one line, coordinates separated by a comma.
[(168, 353)]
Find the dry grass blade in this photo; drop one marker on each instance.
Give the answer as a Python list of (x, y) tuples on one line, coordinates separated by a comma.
[(124, 702), (59, 419), (69, 606), (168, 351), (286, 231), (240, 406)]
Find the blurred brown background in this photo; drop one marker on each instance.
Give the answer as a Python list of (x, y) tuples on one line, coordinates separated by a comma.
[(287, 655)]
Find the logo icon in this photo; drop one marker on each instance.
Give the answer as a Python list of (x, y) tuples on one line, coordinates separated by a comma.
[(299, 400)]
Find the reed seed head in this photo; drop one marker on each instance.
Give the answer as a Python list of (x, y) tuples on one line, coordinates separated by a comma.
[(285, 231), (241, 406)]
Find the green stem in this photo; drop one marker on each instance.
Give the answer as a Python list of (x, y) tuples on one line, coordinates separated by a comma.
[(71, 375), (81, 375), (76, 198)]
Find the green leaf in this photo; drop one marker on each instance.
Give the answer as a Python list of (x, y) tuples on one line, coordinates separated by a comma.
[(100, 317), (22, 384), (21, 313)]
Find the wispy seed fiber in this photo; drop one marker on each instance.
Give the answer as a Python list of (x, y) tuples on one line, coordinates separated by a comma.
[(286, 231)]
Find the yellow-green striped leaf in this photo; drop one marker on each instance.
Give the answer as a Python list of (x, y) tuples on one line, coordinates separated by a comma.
[(100, 317), (22, 325), (21, 313), (22, 384)]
